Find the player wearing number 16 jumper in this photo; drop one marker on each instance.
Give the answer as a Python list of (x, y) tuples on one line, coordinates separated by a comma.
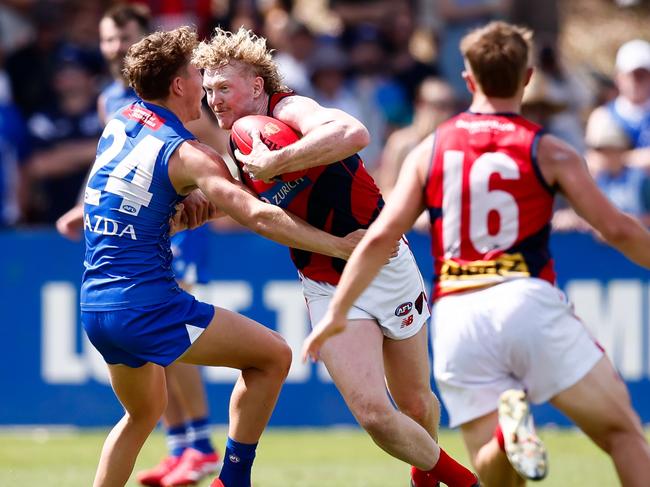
[(500, 326)]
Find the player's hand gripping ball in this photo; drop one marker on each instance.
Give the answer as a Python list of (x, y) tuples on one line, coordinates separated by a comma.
[(274, 133)]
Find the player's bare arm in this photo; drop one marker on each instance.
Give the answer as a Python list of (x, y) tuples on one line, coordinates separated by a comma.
[(197, 165), (71, 223), (63, 159), (197, 209), (328, 135), (563, 167), (405, 204), (639, 157), (194, 211)]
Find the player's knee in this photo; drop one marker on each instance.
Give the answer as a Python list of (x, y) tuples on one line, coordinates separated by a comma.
[(421, 406), (620, 435), (375, 418), (281, 358), (284, 360), (148, 414), (610, 439)]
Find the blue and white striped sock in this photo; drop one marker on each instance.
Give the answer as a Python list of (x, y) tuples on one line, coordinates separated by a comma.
[(199, 435), (176, 437)]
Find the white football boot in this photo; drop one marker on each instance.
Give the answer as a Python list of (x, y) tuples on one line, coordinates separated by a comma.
[(524, 449)]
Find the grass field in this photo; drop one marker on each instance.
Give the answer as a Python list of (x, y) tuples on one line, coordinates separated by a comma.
[(286, 458)]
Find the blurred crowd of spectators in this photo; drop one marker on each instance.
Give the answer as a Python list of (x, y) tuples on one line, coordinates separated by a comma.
[(394, 64)]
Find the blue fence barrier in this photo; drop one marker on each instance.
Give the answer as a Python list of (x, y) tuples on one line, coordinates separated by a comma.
[(50, 374)]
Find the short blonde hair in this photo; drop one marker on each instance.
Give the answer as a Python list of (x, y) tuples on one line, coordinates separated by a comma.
[(244, 47), (152, 63), (498, 55)]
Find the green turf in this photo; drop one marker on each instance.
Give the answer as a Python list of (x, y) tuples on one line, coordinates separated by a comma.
[(286, 458)]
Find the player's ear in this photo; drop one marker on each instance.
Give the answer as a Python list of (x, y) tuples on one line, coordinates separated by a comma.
[(528, 75), (176, 87), (469, 81), (258, 86), (468, 77)]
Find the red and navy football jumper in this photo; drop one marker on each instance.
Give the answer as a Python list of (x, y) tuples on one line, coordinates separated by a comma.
[(338, 198), (490, 207)]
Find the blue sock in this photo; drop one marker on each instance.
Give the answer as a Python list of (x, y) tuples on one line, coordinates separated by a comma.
[(176, 440), (237, 464), (199, 435)]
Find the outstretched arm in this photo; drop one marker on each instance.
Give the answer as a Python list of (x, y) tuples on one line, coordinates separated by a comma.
[(403, 207), (196, 165), (562, 165), (64, 158)]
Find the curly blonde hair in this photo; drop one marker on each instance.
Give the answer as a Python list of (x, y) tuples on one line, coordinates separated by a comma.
[(244, 47), (152, 63), (498, 54)]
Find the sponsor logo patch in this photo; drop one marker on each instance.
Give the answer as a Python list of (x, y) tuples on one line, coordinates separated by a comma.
[(283, 192), (144, 116), (130, 208), (504, 265), (407, 321), (404, 309), (91, 196)]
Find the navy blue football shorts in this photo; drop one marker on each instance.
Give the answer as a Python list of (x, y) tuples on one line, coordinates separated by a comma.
[(191, 255), (156, 333)]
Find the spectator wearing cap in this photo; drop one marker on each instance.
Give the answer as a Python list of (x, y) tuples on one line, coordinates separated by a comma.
[(64, 140), (631, 109), (628, 188), (547, 102)]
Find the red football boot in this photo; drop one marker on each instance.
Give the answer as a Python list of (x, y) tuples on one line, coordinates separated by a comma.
[(153, 477), (192, 468), (426, 483), (428, 480)]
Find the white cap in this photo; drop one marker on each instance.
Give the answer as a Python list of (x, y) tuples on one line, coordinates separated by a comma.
[(603, 132), (633, 55)]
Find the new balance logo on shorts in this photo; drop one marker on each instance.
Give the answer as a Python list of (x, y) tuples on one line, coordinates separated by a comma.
[(407, 321)]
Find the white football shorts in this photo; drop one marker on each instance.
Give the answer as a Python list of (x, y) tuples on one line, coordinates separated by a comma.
[(396, 298), (519, 334)]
